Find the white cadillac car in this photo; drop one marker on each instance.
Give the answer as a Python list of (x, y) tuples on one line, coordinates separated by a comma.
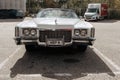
[(54, 27)]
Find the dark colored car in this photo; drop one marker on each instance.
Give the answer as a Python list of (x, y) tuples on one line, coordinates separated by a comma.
[(11, 13)]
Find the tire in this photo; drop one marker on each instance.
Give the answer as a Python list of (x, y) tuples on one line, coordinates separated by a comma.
[(86, 20), (82, 48), (18, 42), (96, 19), (29, 47)]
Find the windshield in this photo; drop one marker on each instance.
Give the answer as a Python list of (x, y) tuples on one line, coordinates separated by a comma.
[(53, 13), (92, 10)]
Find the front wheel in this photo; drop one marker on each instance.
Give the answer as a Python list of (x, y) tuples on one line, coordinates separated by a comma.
[(30, 47), (82, 48)]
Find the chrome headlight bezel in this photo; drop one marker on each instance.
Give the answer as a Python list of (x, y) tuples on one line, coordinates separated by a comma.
[(29, 32), (81, 32)]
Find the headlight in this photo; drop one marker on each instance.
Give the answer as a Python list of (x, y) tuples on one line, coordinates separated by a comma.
[(26, 32), (83, 32), (33, 32), (77, 32), (29, 32)]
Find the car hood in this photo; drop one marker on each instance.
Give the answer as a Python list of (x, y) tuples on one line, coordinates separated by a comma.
[(54, 23), (90, 14)]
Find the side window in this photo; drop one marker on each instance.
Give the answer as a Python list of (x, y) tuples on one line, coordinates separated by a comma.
[(98, 11)]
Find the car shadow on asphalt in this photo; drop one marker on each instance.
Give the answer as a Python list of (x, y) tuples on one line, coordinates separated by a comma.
[(60, 64)]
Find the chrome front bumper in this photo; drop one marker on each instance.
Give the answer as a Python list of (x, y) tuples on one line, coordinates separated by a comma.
[(90, 18), (77, 41)]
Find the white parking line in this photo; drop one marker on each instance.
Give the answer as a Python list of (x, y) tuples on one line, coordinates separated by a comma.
[(113, 64), (55, 74), (30, 75), (9, 57)]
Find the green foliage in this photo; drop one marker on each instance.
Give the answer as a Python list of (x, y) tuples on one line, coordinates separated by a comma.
[(114, 14), (79, 6)]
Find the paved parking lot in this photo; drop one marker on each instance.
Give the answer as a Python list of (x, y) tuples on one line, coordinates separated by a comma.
[(99, 62)]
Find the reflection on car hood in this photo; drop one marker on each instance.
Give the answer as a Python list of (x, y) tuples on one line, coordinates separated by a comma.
[(55, 23)]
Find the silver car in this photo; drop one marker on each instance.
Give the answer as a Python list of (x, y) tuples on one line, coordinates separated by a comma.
[(54, 27)]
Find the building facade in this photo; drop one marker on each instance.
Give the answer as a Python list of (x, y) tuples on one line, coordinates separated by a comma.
[(13, 4)]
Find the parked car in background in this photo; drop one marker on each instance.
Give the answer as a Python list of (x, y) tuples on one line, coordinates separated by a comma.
[(11, 13), (20, 14), (54, 27), (96, 11)]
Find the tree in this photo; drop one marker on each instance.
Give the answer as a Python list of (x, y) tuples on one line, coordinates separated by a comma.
[(50, 4), (117, 4)]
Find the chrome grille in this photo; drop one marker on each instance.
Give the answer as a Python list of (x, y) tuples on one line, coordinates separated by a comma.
[(57, 34), (88, 16)]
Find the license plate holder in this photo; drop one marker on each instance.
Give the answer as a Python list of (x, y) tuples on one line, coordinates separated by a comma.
[(55, 42)]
